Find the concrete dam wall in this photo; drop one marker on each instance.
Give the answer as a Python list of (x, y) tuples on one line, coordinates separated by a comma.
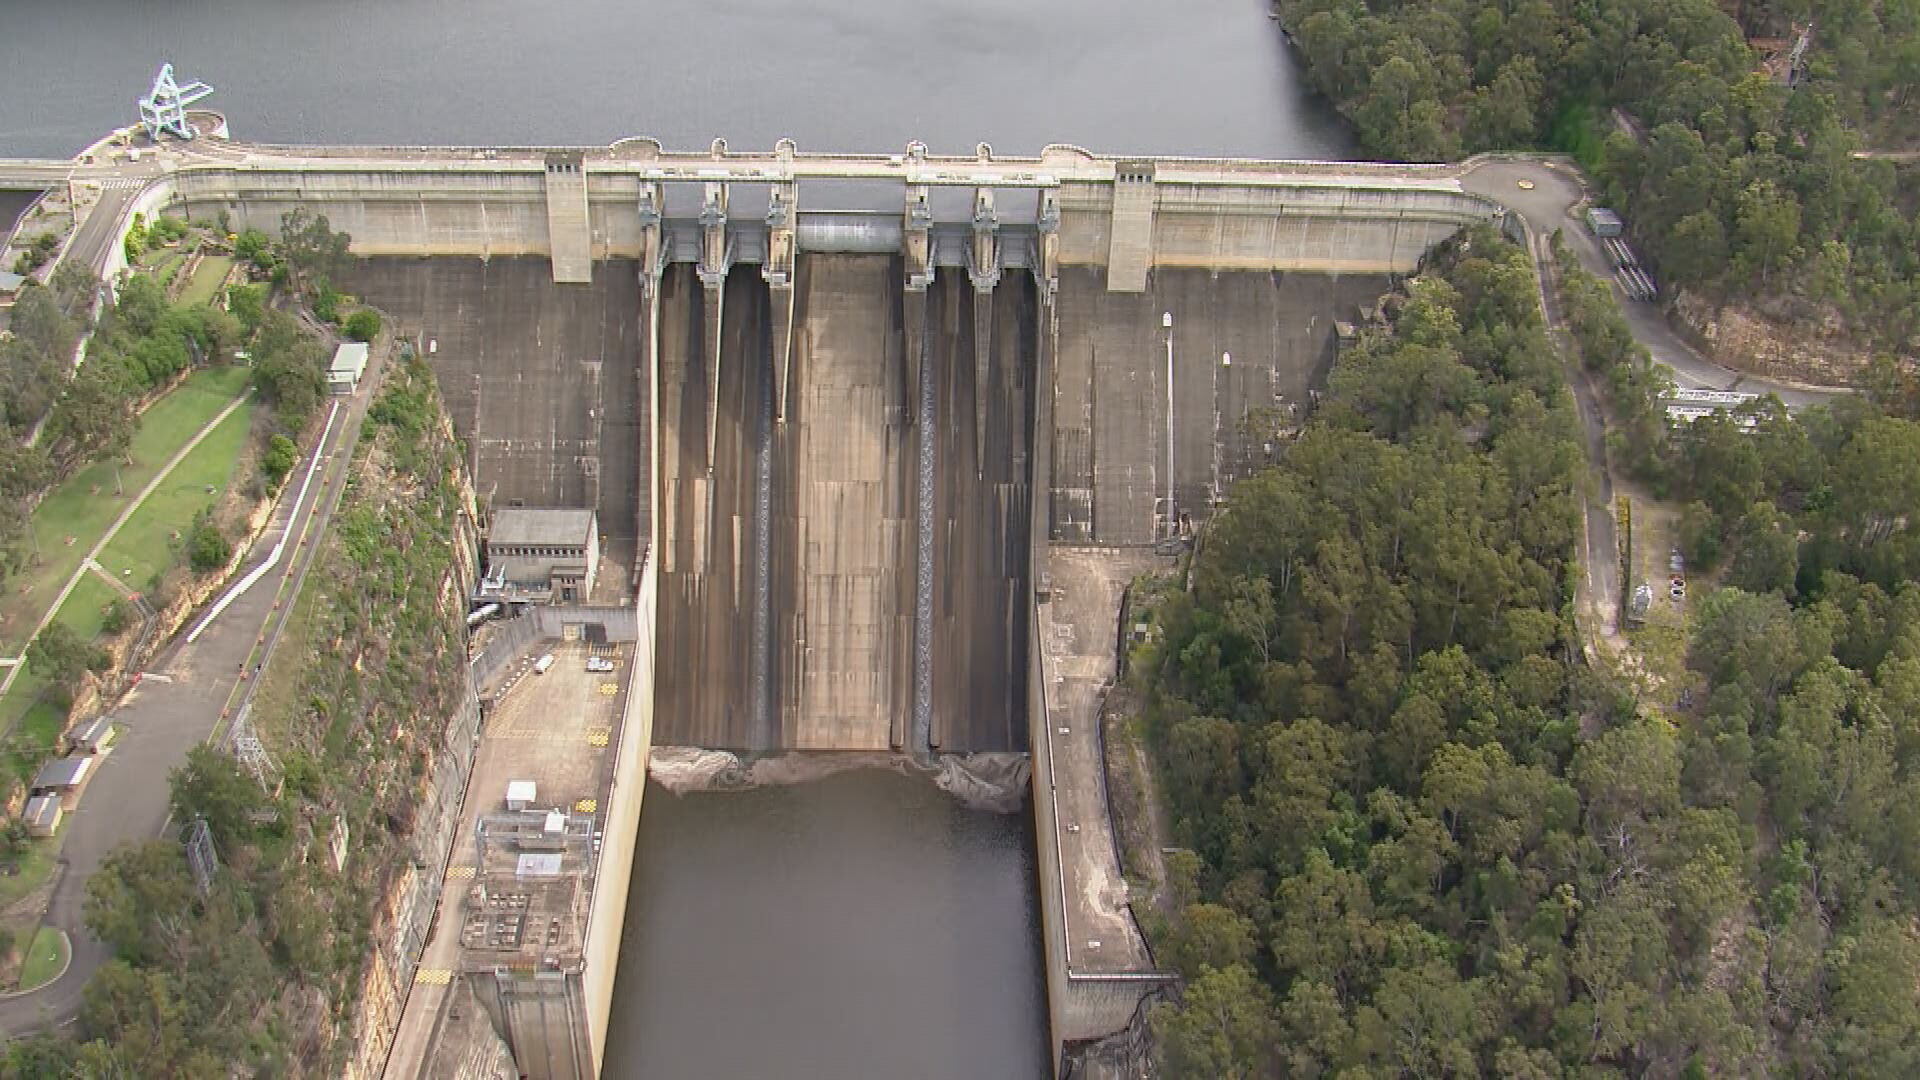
[(546, 383), (849, 577)]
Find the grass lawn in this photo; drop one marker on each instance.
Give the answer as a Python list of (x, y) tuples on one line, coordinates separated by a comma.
[(206, 279), (45, 957), (145, 544), (86, 606), (82, 508)]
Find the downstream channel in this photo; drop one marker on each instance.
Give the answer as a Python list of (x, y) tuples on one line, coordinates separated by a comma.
[(861, 925)]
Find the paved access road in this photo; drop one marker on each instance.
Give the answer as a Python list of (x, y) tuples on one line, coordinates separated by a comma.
[(177, 705), (1549, 205)]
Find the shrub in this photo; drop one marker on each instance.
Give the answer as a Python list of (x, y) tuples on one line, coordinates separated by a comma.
[(278, 461), (207, 548), (363, 325), (326, 301), (115, 620)]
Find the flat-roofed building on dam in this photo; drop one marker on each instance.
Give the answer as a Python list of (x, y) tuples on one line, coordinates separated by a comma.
[(541, 555), (349, 363)]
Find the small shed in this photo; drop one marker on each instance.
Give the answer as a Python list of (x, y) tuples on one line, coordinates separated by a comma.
[(520, 794), (349, 363), (63, 778), (43, 814), (91, 737), (1604, 222)]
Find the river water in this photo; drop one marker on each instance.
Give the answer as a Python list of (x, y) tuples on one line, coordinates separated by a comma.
[(863, 925)]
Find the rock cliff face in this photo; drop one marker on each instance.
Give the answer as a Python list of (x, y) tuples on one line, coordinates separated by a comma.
[(1807, 350)]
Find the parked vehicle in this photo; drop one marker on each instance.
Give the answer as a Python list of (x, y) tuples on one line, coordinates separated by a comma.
[(599, 663)]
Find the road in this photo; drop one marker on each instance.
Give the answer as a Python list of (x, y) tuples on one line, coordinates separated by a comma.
[(100, 226), (127, 801), (1550, 204)]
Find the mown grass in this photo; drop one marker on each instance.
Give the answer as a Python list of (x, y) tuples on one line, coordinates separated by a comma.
[(72, 518), (205, 284), (145, 545), (45, 957)]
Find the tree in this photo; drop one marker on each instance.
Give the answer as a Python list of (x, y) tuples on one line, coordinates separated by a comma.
[(1769, 225), (212, 786), (1876, 1009), (1222, 1029), (248, 304), (1504, 113), (1209, 936), (363, 325), (60, 656), (311, 246), (1767, 552), (135, 899)]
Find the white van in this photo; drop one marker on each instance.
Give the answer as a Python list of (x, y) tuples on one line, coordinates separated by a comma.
[(541, 665)]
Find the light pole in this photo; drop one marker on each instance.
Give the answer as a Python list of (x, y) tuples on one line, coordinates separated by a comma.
[(1226, 363), (1166, 323)]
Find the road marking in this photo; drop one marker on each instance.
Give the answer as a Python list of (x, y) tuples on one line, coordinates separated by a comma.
[(608, 689), (433, 976), (460, 873), (597, 737), (587, 806)]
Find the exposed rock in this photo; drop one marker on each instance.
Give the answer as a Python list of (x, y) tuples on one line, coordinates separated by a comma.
[(993, 782), (1811, 350)]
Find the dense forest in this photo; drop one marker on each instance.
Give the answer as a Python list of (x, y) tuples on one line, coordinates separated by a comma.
[(1422, 838), (259, 973), (1735, 184)]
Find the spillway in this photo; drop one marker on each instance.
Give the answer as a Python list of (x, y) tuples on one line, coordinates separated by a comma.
[(794, 551)]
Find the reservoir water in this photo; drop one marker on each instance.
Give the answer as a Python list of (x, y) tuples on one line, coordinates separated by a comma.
[(863, 925)]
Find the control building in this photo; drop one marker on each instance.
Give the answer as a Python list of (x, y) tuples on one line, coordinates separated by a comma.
[(538, 555)]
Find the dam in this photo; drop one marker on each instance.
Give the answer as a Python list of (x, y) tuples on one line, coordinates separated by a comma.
[(841, 446)]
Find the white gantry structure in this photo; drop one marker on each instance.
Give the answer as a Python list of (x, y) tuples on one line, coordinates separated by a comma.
[(164, 109)]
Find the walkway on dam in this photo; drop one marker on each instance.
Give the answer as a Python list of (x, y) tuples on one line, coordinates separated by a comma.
[(1079, 634)]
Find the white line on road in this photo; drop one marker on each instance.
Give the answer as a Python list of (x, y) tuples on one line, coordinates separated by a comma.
[(273, 558)]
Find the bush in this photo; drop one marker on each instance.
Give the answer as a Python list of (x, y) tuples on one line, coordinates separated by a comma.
[(115, 620), (207, 548), (166, 230), (253, 245), (363, 325), (278, 461), (248, 303), (326, 301), (136, 241)]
